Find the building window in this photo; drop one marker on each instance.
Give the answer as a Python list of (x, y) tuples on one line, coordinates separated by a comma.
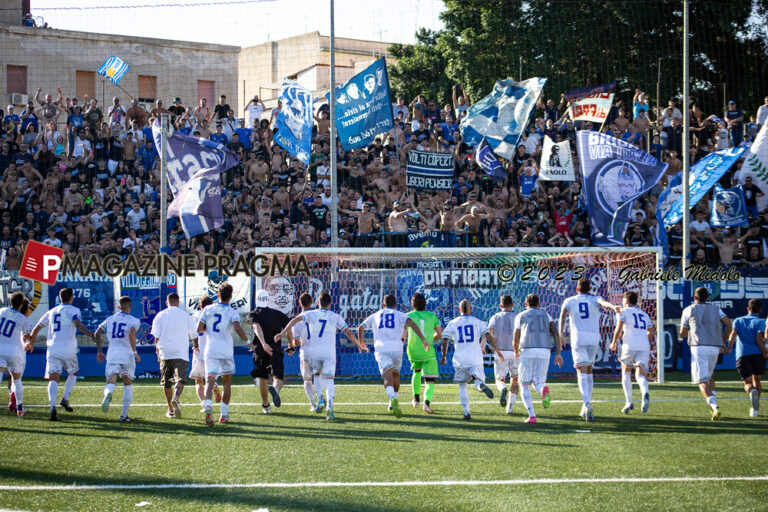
[(85, 83), (206, 89), (17, 79), (147, 88)]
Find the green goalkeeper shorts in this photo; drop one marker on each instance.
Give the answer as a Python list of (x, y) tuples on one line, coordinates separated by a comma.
[(428, 367)]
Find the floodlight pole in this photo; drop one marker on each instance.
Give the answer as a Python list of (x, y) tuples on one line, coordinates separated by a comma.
[(164, 133), (686, 153), (334, 185)]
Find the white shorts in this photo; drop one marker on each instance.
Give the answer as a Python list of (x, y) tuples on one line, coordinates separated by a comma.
[(584, 355), (533, 368), (637, 358), (508, 367), (217, 367), (198, 369), (306, 369), (464, 375), (122, 370), (14, 364), (55, 364), (389, 360), (703, 362), (326, 366)]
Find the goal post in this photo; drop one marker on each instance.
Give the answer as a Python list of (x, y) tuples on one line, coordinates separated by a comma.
[(359, 278)]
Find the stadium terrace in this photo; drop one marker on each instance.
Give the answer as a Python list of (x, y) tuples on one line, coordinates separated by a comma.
[(185, 265)]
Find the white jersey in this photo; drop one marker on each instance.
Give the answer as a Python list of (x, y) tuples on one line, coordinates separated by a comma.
[(202, 339), (636, 325), (584, 318), (12, 327), (320, 328), (387, 325), (466, 332), (60, 321), (117, 328), (300, 331), (219, 320)]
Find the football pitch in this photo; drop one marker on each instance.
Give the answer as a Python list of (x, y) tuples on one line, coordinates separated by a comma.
[(366, 460)]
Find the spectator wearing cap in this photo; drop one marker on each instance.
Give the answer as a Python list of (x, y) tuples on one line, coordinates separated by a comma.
[(219, 136), (734, 117), (12, 120), (177, 109)]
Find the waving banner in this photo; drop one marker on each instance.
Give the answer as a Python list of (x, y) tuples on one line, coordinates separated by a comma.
[(615, 174), (363, 108), (294, 122), (756, 166), (429, 171), (113, 69), (556, 161), (194, 165), (591, 103), (728, 207), (501, 117), (488, 162)]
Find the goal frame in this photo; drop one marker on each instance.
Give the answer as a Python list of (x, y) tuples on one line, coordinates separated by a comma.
[(495, 251)]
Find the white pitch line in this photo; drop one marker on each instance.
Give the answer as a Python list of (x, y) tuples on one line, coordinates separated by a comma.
[(442, 483), (483, 402)]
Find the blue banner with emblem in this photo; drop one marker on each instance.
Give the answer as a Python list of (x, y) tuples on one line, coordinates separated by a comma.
[(615, 174), (294, 122), (146, 301), (728, 207)]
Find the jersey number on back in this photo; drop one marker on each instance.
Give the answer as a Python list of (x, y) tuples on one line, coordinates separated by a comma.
[(639, 321), (216, 322), (466, 334), (118, 330), (56, 322), (7, 327), (584, 310), (387, 321)]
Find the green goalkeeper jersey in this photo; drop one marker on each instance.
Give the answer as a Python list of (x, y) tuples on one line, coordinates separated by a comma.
[(427, 321)]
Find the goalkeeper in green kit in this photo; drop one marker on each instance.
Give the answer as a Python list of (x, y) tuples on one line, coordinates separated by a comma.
[(423, 362)]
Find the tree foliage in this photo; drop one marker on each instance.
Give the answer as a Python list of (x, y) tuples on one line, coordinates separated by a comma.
[(577, 43)]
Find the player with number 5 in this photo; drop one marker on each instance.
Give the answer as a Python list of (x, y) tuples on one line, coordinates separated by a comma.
[(389, 328)]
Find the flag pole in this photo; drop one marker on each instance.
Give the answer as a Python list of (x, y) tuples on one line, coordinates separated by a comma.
[(332, 145), (686, 155), (164, 123)]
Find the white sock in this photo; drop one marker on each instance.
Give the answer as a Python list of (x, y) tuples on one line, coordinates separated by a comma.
[(500, 385), (712, 402), (1, 377), (479, 385), (224, 409), (626, 384), (309, 389), (642, 381), (714, 393), (127, 398), (538, 387), (109, 388), (512, 400), (390, 392), (464, 397), (528, 401), (581, 379), (69, 386), (53, 392), (590, 378), (18, 388), (319, 387), (330, 390), (207, 404)]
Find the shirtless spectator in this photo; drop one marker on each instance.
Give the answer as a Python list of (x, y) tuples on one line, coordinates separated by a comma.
[(471, 223)]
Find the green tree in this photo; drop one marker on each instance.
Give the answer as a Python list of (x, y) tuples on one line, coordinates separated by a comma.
[(420, 69)]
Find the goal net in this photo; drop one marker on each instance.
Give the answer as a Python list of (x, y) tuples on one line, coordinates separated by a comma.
[(358, 279)]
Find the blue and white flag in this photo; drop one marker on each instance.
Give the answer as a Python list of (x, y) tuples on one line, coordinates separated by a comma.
[(703, 176), (294, 122), (488, 162), (615, 174), (663, 205), (363, 108), (194, 165), (501, 117), (728, 208), (429, 171), (113, 69)]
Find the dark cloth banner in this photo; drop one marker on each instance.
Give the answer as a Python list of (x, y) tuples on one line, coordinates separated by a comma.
[(429, 171), (432, 239)]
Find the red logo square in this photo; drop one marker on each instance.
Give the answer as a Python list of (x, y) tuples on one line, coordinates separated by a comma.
[(41, 262)]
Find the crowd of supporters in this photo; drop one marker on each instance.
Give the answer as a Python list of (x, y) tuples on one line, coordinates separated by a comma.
[(85, 177)]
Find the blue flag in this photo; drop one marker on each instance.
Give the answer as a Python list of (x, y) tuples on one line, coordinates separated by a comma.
[(703, 176), (294, 122), (429, 171), (666, 199), (615, 174), (194, 165), (363, 108), (113, 69), (488, 162), (729, 208), (501, 117)]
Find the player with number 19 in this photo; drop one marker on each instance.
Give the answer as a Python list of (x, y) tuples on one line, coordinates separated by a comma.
[(389, 329), (467, 332), (638, 331), (121, 356)]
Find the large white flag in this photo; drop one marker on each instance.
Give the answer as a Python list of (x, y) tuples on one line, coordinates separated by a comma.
[(756, 166), (556, 161)]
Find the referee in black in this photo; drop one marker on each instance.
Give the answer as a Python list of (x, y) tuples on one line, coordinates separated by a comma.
[(267, 354)]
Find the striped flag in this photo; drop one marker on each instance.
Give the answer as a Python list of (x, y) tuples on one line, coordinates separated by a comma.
[(113, 69)]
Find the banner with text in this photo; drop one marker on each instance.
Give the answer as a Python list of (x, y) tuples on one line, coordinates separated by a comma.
[(556, 161), (429, 171), (591, 103)]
